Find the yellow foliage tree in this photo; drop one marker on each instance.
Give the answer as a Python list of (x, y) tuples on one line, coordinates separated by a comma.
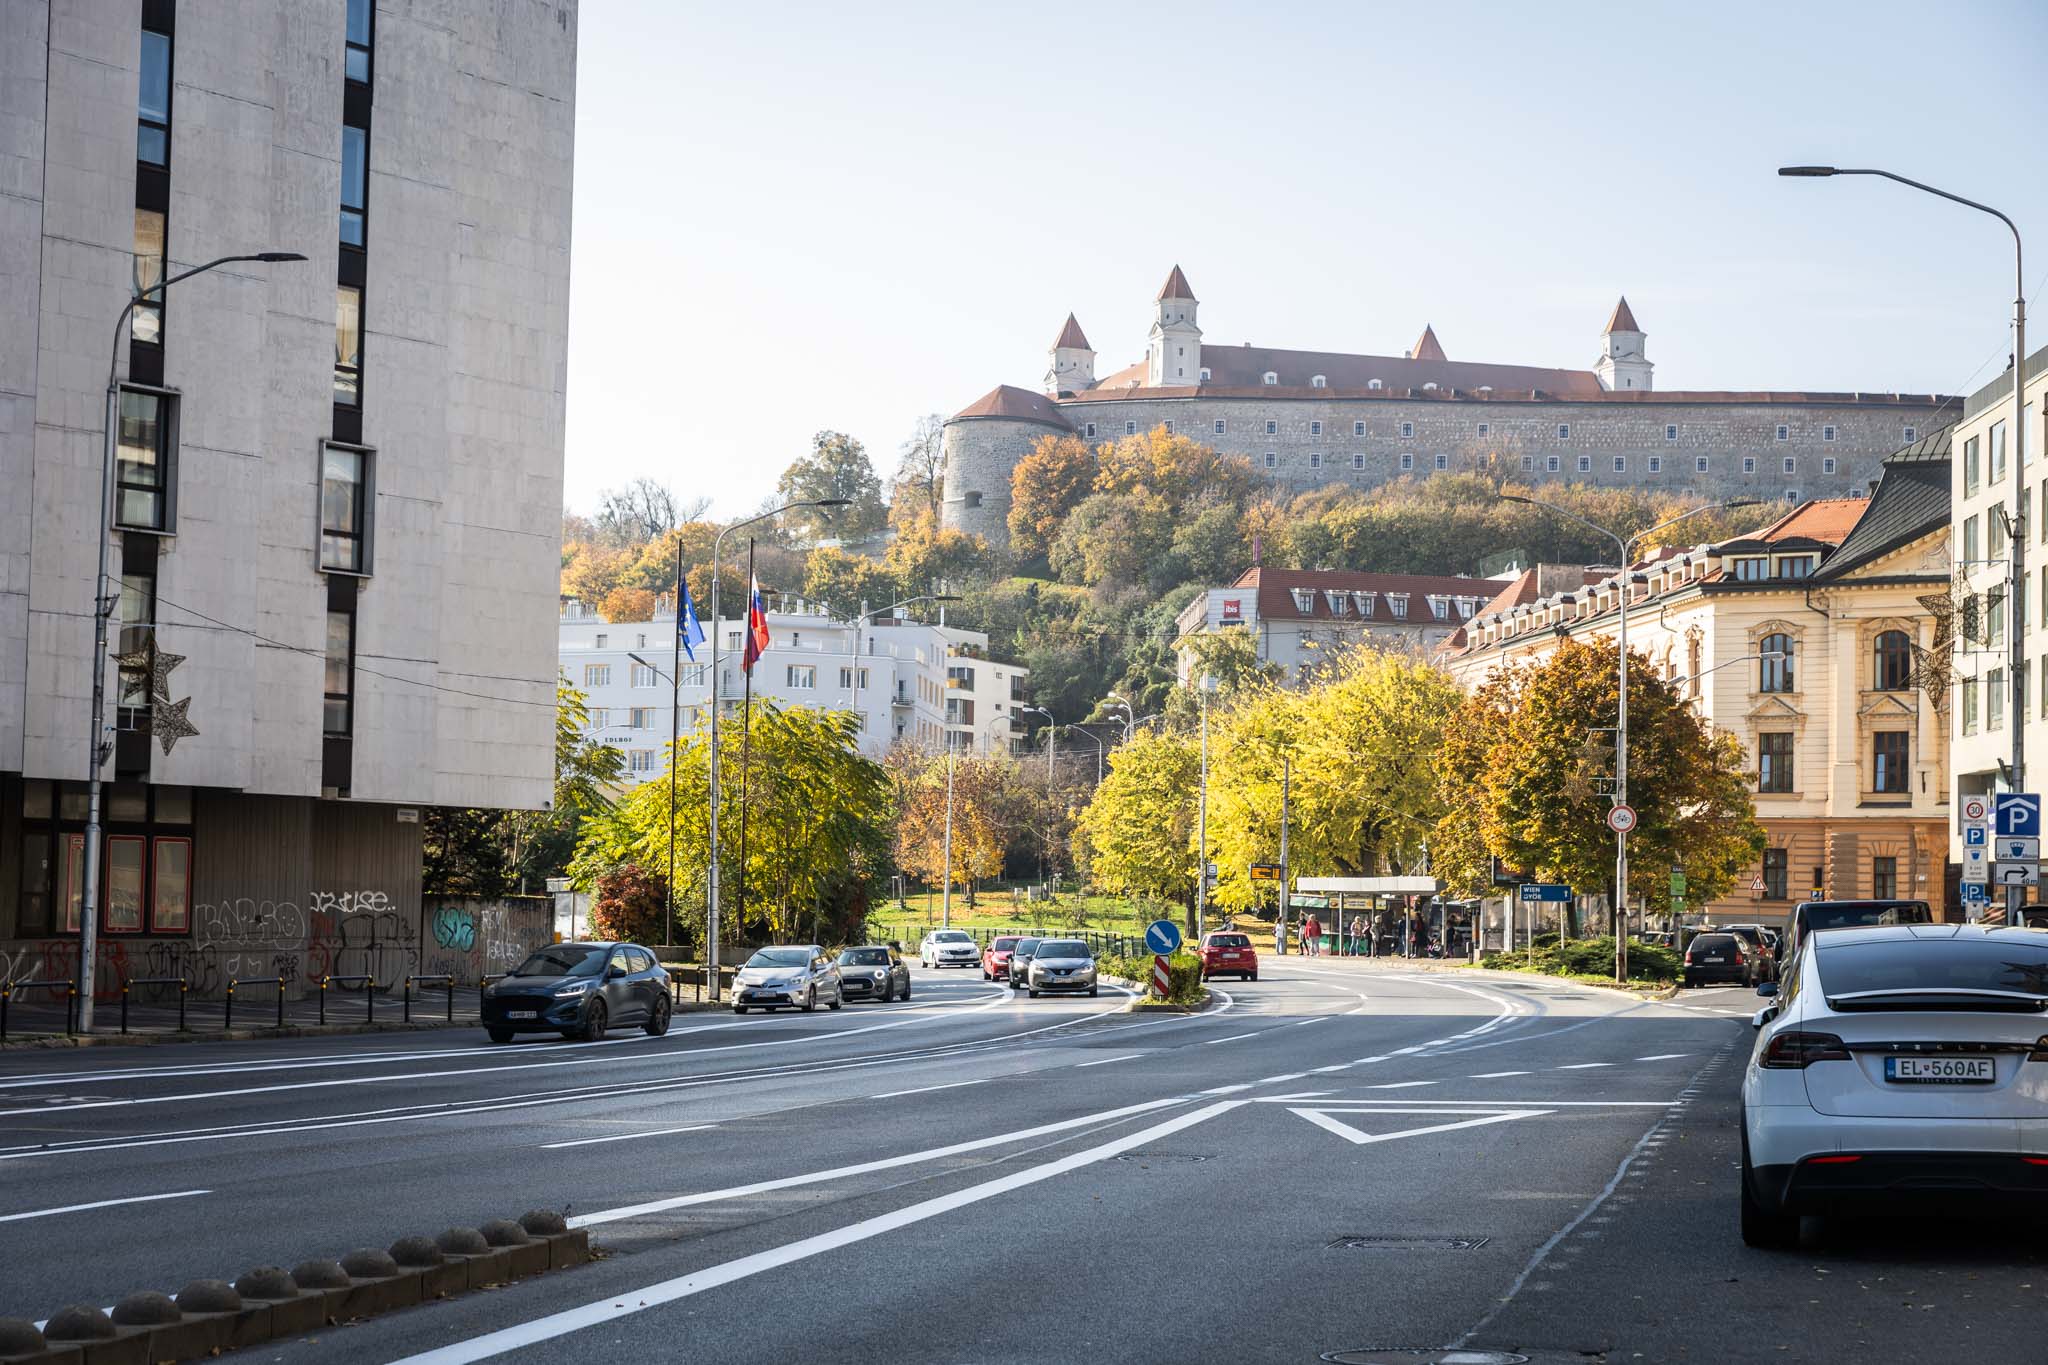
[(627, 604)]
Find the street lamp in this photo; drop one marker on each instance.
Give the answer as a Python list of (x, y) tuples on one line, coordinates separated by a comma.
[(1626, 546), (1130, 715), (866, 615), (2015, 568), (717, 573), (675, 708), (1094, 739), (103, 607), (1204, 691)]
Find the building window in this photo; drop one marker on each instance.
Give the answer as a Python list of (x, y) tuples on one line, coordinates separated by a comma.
[(1670, 431), (1656, 464), (1796, 566), (355, 171), (642, 676), (1407, 431), (1749, 464), (358, 34), (1994, 699), (1315, 459), (1169, 427), (1784, 432), (1407, 460), (1585, 464), (344, 523), (1752, 568), (1997, 469), (1269, 378), (153, 102), (1528, 462), (597, 675), (1621, 464), (801, 677), (640, 760), (1827, 433), (1791, 465), (1564, 431), (1911, 435), (1318, 382), (1217, 426), (1893, 671), (348, 346), (1443, 462), (1205, 379), (1550, 464), (1358, 462), (1884, 877), (1272, 427), (1130, 428), (1485, 430), (146, 323), (1972, 466), (143, 462), (640, 717), (1994, 615), (339, 678), (1358, 428), (1827, 465), (1272, 460), (1398, 601), (1774, 666), (600, 717), (1774, 763), (1973, 542), (1699, 464), (170, 902), (1775, 873), (1315, 428), (1888, 750), (846, 677), (1969, 706), (1091, 431)]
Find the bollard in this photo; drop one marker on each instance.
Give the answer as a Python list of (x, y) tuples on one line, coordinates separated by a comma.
[(70, 1009), (227, 1020), (280, 1002), (451, 999), (323, 999), (6, 994), (124, 1009), (406, 995), (181, 1004)]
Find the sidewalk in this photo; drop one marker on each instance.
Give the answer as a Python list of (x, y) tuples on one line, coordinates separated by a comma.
[(1459, 966)]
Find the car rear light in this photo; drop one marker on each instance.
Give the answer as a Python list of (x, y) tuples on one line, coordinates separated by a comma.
[(2040, 1052), (2035, 1160), (1839, 1159), (1794, 1050), (1739, 958)]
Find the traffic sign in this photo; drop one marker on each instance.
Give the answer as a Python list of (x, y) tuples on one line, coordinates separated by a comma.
[(1757, 884), (1976, 836), (2018, 813), (1976, 809), (1677, 882), (2019, 874), (1976, 865), (1162, 978), (2018, 848), (1265, 872), (1540, 892), (1162, 936), (1621, 818), (1975, 891)]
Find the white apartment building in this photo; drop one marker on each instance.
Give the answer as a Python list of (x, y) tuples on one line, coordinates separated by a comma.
[(909, 683), (338, 479)]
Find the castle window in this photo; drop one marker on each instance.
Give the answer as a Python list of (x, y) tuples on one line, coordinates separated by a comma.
[(1911, 435), (1443, 462), (1670, 431), (1790, 464), (1218, 426), (1656, 464), (1373, 384), (1784, 432), (1169, 428), (1358, 428), (1272, 427), (1407, 461), (1550, 464), (971, 498), (1407, 431), (1315, 428), (1130, 428), (1205, 374), (1318, 382), (1827, 466), (1091, 431), (1485, 430), (1827, 433), (1269, 378), (1792, 495), (1621, 464), (1585, 464), (1430, 387), (1699, 464), (1272, 460), (1564, 431), (1528, 462), (1358, 461), (1749, 464), (1315, 459)]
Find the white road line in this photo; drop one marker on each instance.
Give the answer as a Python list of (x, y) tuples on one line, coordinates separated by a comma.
[(626, 1137), (1225, 1089), (1399, 1085), (1105, 1061), (1583, 1066), (1283, 1076), (927, 1089), (1496, 1075), (99, 1204), (1235, 1037), (1321, 1119), (1663, 1056)]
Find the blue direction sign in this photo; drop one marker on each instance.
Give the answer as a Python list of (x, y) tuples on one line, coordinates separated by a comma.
[(1545, 891), (2018, 813), (1162, 936)]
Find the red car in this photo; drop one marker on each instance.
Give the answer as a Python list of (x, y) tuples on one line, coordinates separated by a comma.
[(995, 959), (1229, 953)]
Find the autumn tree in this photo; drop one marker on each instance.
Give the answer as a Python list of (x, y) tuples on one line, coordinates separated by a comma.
[(837, 466), (1139, 828), (927, 557), (983, 803), (919, 486), (1045, 487), (631, 516), (627, 604), (842, 581)]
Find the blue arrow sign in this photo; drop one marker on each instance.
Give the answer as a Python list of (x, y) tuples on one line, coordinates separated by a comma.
[(2018, 813), (1162, 936), (1535, 892)]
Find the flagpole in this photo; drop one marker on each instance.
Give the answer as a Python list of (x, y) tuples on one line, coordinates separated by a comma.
[(748, 659), (675, 732)]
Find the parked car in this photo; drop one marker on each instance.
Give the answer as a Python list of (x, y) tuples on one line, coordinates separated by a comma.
[(795, 977), (874, 973), (1020, 962), (995, 959), (1898, 1065), (1060, 964), (579, 990), (1810, 916), (1715, 955), (948, 948), (1762, 948), (1228, 952)]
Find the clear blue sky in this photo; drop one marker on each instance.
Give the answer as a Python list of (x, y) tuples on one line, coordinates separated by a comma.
[(828, 216)]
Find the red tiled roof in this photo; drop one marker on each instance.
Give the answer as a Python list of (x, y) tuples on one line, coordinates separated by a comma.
[(1071, 337), (1177, 287), (1623, 320), (1828, 520), (1525, 588), (1428, 348), (1006, 400), (1275, 589)]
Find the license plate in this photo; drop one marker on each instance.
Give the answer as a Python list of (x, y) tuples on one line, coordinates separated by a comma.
[(1939, 1070), (522, 1014), (1713, 959)]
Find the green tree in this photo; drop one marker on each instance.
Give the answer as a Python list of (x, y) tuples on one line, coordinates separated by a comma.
[(836, 467), (984, 805), (842, 581), (1045, 487), (1139, 829)]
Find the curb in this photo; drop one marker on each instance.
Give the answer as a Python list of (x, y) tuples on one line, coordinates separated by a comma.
[(1144, 1006)]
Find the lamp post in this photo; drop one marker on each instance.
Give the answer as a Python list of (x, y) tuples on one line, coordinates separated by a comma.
[(1206, 687), (866, 615), (675, 709), (2016, 559), (1130, 715), (1094, 739), (717, 625), (1626, 547), (946, 894), (98, 747), (1051, 732)]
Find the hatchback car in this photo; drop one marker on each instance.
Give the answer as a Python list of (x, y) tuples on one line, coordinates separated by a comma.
[(948, 948), (1060, 964), (1229, 953), (799, 978), (1020, 962), (995, 959), (1760, 945), (579, 990), (1717, 955), (1898, 1065), (874, 973)]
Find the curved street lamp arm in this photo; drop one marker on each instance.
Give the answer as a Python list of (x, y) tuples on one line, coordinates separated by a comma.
[(1687, 516), (142, 296)]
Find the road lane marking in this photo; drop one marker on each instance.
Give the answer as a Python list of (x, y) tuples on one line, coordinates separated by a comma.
[(1226, 1089), (927, 1089), (1496, 1075), (1399, 1085), (1663, 1056), (1583, 1066), (613, 1307), (1105, 1061), (626, 1137), (1321, 1119), (98, 1204), (1235, 1037)]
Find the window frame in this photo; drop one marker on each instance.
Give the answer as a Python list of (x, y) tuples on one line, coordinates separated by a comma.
[(170, 81), (1777, 763), (360, 209), (368, 46), (1564, 431), (346, 699), (1776, 675), (1358, 428), (1656, 463), (1891, 665), (366, 500), (1777, 887), (351, 369), (168, 406), (1891, 778)]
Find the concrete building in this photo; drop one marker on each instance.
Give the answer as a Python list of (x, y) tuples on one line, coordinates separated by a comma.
[(1309, 419), (923, 685), (1300, 616), (1812, 642), (1982, 486), (339, 480)]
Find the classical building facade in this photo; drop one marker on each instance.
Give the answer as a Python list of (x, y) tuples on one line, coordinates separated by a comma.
[(1300, 617), (1814, 644), (1311, 418), (335, 535)]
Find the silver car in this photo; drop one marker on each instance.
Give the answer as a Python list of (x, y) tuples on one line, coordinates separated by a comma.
[(874, 973), (775, 978), (1061, 964)]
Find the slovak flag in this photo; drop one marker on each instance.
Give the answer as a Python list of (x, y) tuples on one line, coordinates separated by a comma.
[(757, 627), (693, 629)]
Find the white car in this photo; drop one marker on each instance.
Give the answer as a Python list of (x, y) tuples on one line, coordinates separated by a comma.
[(949, 948), (1901, 1064), (794, 977)]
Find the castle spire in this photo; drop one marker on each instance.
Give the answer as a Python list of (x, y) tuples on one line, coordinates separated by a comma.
[(1623, 320), (1428, 348), (1177, 287), (1072, 337)]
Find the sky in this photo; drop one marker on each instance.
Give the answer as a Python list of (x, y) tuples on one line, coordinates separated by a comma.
[(795, 218)]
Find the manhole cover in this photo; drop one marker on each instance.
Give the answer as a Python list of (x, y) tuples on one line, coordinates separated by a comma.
[(1421, 1355), (1160, 1158), (1407, 1242)]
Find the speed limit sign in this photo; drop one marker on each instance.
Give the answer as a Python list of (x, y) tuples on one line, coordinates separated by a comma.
[(1976, 810), (1621, 819)]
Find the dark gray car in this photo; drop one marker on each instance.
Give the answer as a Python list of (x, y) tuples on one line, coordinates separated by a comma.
[(874, 973), (579, 990), (1020, 962)]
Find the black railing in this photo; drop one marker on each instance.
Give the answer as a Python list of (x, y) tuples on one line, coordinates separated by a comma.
[(70, 1000), (177, 981), (228, 1013), (369, 985), (444, 979)]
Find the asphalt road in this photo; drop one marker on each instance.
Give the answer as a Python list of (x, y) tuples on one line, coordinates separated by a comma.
[(1346, 1159)]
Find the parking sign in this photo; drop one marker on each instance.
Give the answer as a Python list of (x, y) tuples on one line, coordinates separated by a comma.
[(2018, 813)]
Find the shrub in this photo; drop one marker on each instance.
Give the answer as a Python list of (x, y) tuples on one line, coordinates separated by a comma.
[(1184, 969), (1588, 957), (631, 904)]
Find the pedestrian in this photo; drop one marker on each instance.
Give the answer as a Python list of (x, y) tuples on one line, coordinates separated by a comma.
[(1357, 933), (1311, 936), (1279, 935)]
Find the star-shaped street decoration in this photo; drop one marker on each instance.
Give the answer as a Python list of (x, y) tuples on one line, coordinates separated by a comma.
[(168, 722), (159, 663)]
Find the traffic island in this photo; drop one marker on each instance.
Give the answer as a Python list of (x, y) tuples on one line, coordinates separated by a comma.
[(209, 1317)]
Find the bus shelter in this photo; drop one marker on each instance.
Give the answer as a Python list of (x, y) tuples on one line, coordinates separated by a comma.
[(1395, 909)]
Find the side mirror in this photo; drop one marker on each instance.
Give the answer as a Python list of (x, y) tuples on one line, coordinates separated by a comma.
[(614, 973), (1767, 988), (1763, 1016)]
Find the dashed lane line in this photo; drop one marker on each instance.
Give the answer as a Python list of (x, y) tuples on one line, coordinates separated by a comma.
[(98, 1204), (927, 1089), (1496, 1075), (627, 1137)]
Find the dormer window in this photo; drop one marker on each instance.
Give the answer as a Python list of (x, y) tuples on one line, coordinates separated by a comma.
[(1430, 387), (1398, 603), (1336, 598), (1751, 568), (1363, 601), (1374, 384), (1796, 566), (1205, 374), (1319, 382), (1304, 600), (1440, 607), (1269, 378)]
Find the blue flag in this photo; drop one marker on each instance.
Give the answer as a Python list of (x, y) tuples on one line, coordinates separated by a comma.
[(693, 632)]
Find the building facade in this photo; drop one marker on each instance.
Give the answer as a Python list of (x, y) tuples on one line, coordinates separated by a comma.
[(1309, 419), (1300, 617), (1813, 644), (338, 484), (927, 686)]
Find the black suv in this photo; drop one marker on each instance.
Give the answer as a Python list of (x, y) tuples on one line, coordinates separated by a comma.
[(579, 990)]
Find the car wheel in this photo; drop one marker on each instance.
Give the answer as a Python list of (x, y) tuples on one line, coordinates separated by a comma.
[(500, 1035), (838, 998), (595, 1022), (906, 990), (810, 1000), (888, 991), (1034, 995), (1760, 1227), (1091, 992), (657, 1023), (739, 1009)]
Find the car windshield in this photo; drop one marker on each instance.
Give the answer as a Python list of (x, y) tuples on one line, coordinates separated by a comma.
[(951, 936), (780, 957), (1026, 946), (1229, 941), (1062, 947), (1863, 914), (1908, 966), (864, 957), (564, 959), (1002, 945), (1714, 943)]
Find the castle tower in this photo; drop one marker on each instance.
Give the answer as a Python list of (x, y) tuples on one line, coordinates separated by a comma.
[(1428, 347), (1622, 364), (1073, 361), (1173, 354)]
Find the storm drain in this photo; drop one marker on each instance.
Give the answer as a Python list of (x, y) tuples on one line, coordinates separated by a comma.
[(1407, 1242)]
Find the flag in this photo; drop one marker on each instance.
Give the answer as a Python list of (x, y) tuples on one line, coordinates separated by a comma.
[(757, 627), (692, 629)]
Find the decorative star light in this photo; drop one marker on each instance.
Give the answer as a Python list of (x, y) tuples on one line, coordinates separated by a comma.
[(168, 722), (158, 662)]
